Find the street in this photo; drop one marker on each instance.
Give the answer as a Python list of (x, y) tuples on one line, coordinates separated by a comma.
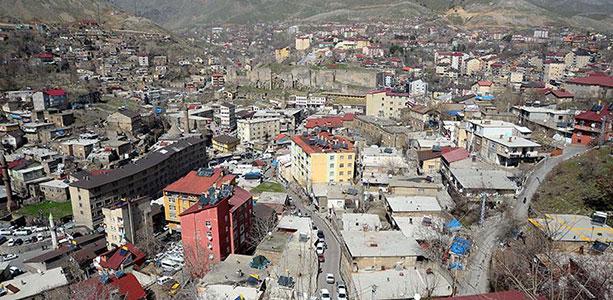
[(476, 277), (332, 253)]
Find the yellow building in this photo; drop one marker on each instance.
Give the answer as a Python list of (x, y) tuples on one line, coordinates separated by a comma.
[(185, 192), (225, 143), (322, 158), (281, 54), (303, 43), (553, 71), (386, 103)]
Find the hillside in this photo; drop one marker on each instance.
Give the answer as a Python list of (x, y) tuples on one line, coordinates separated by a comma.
[(560, 192), (181, 15), (69, 11)]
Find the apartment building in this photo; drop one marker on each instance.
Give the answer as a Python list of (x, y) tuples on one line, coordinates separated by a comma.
[(322, 158), (124, 219), (144, 177), (225, 143), (227, 116), (508, 150), (185, 192), (217, 225), (258, 129), (386, 103), (475, 130), (553, 71)]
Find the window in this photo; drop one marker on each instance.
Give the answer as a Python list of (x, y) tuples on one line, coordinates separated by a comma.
[(331, 165), (207, 223), (342, 156), (341, 165), (349, 165), (349, 157), (332, 174), (341, 173)]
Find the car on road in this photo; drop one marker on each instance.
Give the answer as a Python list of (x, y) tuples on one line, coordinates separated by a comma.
[(9, 256), (15, 271), (330, 278), (22, 232), (6, 231), (341, 290), (319, 249), (320, 234), (14, 242), (324, 294), (164, 280), (3, 239)]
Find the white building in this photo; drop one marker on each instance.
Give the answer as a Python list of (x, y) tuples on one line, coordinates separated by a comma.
[(227, 116), (418, 88), (143, 61), (261, 129)]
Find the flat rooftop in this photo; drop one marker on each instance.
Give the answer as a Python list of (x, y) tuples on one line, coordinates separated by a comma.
[(400, 204), (401, 284), (573, 228), (380, 244)]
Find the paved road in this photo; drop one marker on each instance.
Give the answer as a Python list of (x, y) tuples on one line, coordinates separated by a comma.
[(332, 254), (476, 279)]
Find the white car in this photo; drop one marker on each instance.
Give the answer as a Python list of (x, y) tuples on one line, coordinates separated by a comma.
[(330, 278), (11, 243), (325, 294), (320, 249), (164, 279), (341, 290)]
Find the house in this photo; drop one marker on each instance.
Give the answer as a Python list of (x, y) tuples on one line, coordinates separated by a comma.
[(418, 88), (472, 178), (124, 121), (32, 285), (412, 206), (421, 117), (79, 148), (55, 190), (258, 129), (482, 87), (574, 233), (413, 186), (124, 285), (329, 122), (386, 103), (560, 96), (594, 86), (277, 201), (381, 160), (380, 250), (120, 258), (82, 250), (429, 160), (593, 125), (13, 139), (51, 98), (127, 220), (401, 283), (509, 151), (361, 222), (225, 143)]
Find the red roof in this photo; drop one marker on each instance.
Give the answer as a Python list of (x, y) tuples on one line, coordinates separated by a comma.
[(429, 154), (196, 185), (506, 295), (603, 81), (128, 286), (594, 116), (562, 94), (484, 83), (239, 196), (455, 155), (99, 172), (45, 55), (117, 256), (56, 92), (280, 136), (330, 122), (302, 142)]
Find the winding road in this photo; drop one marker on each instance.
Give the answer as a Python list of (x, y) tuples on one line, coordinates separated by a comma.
[(476, 278)]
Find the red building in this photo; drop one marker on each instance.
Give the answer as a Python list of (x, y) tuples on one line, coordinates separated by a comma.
[(589, 125), (216, 226)]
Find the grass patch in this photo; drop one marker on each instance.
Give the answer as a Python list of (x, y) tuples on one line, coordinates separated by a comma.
[(578, 186), (268, 187), (58, 209)]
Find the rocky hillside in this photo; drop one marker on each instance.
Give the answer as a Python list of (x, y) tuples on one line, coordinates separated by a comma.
[(68, 11), (189, 14)]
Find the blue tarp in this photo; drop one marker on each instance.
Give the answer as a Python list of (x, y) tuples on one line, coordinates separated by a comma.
[(460, 246), (454, 224), (456, 266), (453, 112), (485, 97)]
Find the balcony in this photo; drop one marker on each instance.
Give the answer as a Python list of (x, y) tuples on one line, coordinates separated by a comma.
[(595, 129)]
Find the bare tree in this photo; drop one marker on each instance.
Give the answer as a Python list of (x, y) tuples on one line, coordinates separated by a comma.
[(261, 227), (147, 241)]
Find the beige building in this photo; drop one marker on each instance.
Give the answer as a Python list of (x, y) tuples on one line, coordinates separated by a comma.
[(382, 131), (553, 71), (385, 103), (79, 148), (55, 190), (381, 250), (303, 43), (281, 54), (124, 219), (401, 185), (124, 121), (261, 129), (472, 66), (144, 177)]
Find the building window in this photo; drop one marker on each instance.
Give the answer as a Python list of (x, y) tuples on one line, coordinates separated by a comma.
[(341, 173), (331, 165), (207, 224), (342, 157), (331, 174), (349, 156)]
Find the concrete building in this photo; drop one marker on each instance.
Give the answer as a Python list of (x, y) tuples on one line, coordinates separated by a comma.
[(55, 190), (508, 150), (260, 129), (227, 116), (303, 43), (385, 103), (380, 160), (217, 225), (126, 221), (380, 250), (144, 177), (418, 88), (185, 192), (594, 125), (573, 233), (225, 143), (52, 98), (553, 71), (124, 121), (322, 158), (79, 148)]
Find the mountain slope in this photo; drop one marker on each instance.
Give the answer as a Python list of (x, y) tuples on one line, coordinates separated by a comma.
[(68, 11)]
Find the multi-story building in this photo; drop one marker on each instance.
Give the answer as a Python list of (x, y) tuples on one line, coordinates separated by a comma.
[(225, 143), (217, 80), (185, 192), (227, 116), (593, 125), (577, 59), (217, 225), (144, 177), (303, 42), (79, 148), (508, 150), (125, 221), (477, 129), (386, 103), (52, 98), (553, 70), (281, 54), (124, 121), (454, 59), (322, 158), (260, 129), (418, 88)]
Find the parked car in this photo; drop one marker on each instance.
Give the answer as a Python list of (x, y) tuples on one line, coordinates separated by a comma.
[(15, 271), (320, 234), (341, 290), (319, 249), (9, 256), (6, 231), (11, 243), (164, 280), (330, 278), (2, 239), (324, 294), (22, 232), (18, 242)]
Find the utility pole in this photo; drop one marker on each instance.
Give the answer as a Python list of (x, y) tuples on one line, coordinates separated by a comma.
[(482, 215), (603, 131), (374, 291)]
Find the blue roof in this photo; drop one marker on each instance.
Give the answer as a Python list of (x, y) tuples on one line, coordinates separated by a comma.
[(485, 97), (454, 223), (460, 246), (453, 112)]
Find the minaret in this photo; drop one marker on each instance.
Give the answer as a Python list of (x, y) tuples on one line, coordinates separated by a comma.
[(186, 125), (53, 233), (10, 205)]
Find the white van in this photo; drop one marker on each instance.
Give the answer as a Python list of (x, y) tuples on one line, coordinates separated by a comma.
[(171, 265), (6, 232), (22, 232)]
